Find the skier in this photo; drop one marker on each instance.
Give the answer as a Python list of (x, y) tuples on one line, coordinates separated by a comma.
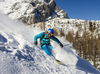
[(45, 41)]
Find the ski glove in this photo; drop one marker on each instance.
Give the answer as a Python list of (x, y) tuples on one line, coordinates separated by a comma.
[(61, 45), (35, 43)]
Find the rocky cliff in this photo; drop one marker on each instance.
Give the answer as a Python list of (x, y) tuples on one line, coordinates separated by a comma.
[(32, 11)]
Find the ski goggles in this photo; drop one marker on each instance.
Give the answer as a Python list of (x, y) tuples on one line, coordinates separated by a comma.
[(50, 34)]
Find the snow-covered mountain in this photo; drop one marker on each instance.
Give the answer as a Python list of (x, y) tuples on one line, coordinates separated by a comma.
[(31, 11), (18, 55)]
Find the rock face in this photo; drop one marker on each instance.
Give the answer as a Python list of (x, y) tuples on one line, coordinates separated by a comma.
[(32, 11)]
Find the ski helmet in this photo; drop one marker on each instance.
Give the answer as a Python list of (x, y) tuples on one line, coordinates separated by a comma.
[(51, 31)]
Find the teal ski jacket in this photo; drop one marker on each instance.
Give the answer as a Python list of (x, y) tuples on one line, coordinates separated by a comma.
[(45, 40)]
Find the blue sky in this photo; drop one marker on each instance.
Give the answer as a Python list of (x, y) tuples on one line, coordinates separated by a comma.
[(81, 9)]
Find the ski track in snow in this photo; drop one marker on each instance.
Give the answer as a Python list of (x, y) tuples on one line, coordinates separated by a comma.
[(18, 55)]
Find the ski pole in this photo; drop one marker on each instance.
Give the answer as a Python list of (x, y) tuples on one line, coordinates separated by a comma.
[(69, 44), (66, 44)]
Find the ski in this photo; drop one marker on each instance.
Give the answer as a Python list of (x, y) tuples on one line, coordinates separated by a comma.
[(58, 61)]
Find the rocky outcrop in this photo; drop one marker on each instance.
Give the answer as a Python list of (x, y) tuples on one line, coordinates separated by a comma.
[(36, 10)]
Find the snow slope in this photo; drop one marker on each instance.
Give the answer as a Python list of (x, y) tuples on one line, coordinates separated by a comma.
[(18, 55)]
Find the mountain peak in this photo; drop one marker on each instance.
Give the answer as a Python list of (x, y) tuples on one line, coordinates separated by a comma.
[(32, 11)]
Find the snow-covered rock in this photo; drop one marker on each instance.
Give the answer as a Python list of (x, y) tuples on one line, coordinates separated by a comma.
[(31, 11)]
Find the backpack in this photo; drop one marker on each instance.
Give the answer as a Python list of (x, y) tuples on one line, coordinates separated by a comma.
[(44, 35), (44, 38)]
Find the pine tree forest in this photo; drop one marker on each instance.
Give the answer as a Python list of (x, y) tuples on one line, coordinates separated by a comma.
[(87, 45)]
